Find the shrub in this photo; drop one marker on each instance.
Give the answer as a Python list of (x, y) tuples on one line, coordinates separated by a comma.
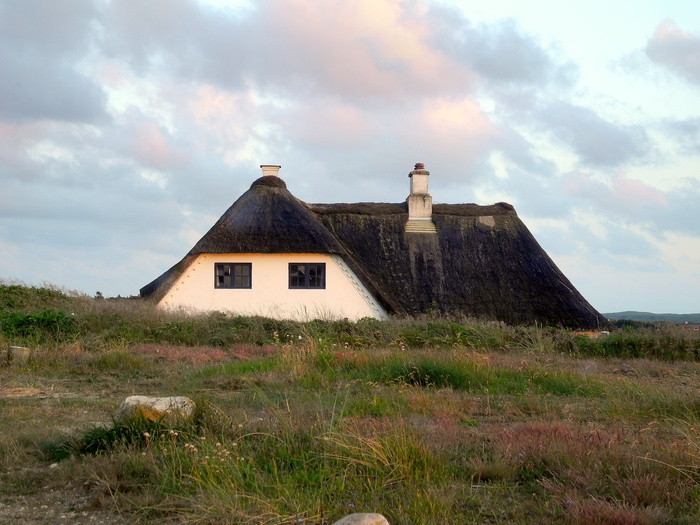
[(41, 325)]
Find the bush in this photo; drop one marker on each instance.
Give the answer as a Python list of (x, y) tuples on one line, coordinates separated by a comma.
[(41, 325)]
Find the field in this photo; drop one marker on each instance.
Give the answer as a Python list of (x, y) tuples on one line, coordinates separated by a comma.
[(426, 421)]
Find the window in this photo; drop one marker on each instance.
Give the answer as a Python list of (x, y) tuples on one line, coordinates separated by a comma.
[(307, 275), (232, 275)]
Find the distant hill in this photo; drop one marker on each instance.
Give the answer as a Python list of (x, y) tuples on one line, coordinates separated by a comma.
[(649, 317)]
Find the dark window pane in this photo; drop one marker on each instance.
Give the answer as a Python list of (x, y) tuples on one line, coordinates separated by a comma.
[(232, 275), (307, 275)]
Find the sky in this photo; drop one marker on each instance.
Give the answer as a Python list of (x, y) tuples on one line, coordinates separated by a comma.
[(128, 127)]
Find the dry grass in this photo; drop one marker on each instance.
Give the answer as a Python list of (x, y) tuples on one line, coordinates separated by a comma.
[(439, 421)]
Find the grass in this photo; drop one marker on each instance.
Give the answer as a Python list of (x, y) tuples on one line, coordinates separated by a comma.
[(430, 420)]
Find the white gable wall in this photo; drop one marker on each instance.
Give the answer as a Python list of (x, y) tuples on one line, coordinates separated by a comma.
[(344, 296)]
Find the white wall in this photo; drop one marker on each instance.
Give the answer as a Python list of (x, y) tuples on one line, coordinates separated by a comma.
[(270, 296)]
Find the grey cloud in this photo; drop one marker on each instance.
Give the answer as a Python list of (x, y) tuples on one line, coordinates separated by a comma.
[(151, 39), (276, 48), (518, 150), (51, 29), (687, 133), (40, 44), (597, 141), (617, 247), (504, 54), (675, 50), (624, 242), (538, 196), (33, 89), (682, 213), (633, 202)]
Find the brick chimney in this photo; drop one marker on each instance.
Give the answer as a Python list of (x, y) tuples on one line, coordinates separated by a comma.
[(270, 170), (420, 203)]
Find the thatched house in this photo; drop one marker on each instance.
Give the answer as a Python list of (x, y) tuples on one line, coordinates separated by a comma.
[(271, 254)]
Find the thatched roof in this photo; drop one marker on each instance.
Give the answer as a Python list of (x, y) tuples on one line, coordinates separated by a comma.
[(267, 219), (483, 262)]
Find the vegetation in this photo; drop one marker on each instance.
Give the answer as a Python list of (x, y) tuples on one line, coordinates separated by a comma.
[(428, 420), (654, 318)]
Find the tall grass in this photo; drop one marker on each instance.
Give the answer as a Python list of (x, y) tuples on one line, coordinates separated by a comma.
[(283, 468), (31, 316), (426, 420)]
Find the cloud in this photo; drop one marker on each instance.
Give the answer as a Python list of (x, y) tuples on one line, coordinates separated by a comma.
[(676, 50), (503, 54), (40, 48), (630, 201), (687, 134), (152, 147), (598, 142), (371, 51), (618, 192), (128, 127)]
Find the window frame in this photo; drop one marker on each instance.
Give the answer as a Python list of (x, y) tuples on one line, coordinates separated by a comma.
[(307, 276), (233, 275)]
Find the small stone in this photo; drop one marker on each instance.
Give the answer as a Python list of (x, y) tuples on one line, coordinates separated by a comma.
[(363, 518), (53, 465)]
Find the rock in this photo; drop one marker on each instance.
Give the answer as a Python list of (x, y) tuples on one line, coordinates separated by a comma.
[(363, 518), (168, 410), (18, 355)]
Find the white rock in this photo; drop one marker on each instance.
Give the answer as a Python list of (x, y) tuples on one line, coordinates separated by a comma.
[(363, 518), (166, 409)]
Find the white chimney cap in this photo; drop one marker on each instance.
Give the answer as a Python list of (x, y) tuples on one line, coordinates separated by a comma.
[(270, 170)]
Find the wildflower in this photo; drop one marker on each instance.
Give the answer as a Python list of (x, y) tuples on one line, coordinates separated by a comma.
[(146, 435)]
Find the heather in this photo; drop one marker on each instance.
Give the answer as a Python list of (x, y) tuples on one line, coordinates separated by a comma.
[(425, 420)]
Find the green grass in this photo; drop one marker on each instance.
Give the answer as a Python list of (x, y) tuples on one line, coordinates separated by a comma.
[(427, 420)]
